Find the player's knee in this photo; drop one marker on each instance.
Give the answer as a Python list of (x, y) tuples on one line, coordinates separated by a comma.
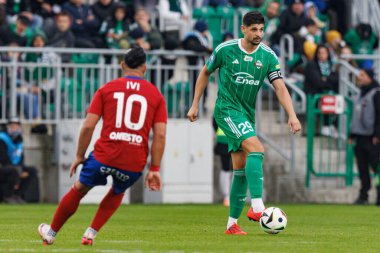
[(253, 146), (81, 187)]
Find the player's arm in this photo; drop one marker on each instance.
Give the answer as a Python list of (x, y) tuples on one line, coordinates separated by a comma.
[(200, 86), (153, 179), (158, 144), (85, 136), (286, 101)]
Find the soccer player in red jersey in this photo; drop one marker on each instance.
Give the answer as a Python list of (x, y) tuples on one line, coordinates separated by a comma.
[(130, 107)]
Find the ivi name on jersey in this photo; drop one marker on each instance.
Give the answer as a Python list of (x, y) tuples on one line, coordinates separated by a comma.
[(111, 171), (133, 85), (131, 138), (245, 78)]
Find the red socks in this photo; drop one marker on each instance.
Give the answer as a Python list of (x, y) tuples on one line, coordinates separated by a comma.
[(107, 207), (67, 207)]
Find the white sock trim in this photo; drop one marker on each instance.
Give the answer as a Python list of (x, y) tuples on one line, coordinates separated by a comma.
[(231, 221), (257, 205)]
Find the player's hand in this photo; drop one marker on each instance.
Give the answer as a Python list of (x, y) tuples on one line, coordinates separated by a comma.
[(192, 115), (153, 181), (75, 164), (294, 124)]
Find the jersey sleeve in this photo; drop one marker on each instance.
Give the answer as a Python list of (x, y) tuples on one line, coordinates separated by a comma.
[(161, 115), (214, 61), (96, 106), (274, 70)]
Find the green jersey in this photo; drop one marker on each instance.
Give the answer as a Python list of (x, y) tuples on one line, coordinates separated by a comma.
[(241, 74)]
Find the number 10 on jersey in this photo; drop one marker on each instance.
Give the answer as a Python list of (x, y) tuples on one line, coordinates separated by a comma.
[(119, 96)]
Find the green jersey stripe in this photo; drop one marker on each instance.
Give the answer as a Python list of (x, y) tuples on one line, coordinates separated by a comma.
[(225, 44)]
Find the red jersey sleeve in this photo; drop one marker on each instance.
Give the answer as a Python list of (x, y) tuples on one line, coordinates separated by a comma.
[(161, 115), (96, 106)]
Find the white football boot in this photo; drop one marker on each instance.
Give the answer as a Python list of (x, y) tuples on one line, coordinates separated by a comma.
[(47, 236)]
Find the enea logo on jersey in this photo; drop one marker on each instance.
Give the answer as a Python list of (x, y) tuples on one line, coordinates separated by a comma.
[(258, 64), (245, 78)]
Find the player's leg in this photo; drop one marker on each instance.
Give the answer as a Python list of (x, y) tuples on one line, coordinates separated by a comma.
[(254, 173), (225, 177), (238, 192), (122, 180), (89, 177), (363, 163), (66, 208)]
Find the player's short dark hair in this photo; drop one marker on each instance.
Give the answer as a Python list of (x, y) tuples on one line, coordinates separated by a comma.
[(253, 17), (135, 57)]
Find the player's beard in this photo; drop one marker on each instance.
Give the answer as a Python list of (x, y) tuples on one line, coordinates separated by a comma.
[(253, 41)]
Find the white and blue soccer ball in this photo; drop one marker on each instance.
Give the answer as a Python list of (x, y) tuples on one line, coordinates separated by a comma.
[(273, 220)]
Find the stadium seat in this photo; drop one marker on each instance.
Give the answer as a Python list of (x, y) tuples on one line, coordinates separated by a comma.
[(177, 98), (225, 16)]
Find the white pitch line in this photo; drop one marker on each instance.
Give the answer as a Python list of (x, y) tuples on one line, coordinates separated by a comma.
[(68, 250)]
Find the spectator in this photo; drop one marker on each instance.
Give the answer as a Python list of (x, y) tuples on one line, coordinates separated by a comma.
[(273, 21), (22, 7), (40, 78), (11, 157), (338, 11), (311, 12), (60, 34), (153, 36), (174, 16), (18, 32), (26, 96), (319, 74), (84, 24), (200, 41), (309, 49), (320, 77), (9, 177), (334, 43), (291, 20), (227, 36), (46, 8), (103, 9), (170, 43), (117, 28), (362, 40), (3, 18), (346, 50), (365, 130), (310, 32), (137, 37)]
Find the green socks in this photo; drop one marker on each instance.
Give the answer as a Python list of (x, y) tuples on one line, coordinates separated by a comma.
[(238, 193), (254, 174)]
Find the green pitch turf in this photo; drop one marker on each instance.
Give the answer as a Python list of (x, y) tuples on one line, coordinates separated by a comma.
[(195, 228)]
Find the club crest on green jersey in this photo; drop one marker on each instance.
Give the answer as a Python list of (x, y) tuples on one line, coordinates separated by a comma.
[(258, 64), (245, 78)]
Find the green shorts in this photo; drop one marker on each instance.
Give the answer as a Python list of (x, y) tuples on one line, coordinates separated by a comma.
[(237, 128)]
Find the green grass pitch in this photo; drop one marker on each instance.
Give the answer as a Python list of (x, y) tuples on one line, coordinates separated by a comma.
[(195, 228)]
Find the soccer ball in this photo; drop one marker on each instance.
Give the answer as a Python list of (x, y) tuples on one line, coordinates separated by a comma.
[(273, 220)]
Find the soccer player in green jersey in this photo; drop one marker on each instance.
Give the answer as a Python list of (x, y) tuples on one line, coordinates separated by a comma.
[(243, 64)]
